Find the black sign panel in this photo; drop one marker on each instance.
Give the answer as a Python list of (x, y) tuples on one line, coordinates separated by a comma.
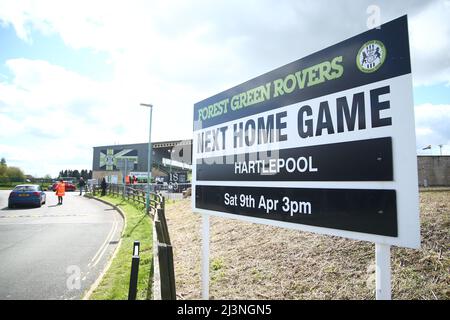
[(362, 160), (394, 36), (367, 211)]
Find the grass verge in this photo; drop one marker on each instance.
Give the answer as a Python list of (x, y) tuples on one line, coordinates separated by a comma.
[(115, 283), (250, 261)]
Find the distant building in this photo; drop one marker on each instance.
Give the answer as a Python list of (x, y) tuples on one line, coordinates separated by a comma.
[(167, 157), (433, 171)]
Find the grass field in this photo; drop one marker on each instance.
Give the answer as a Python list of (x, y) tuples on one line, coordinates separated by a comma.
[(115, 283), (250, 261)]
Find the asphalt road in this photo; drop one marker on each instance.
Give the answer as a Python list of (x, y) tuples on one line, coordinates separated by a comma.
[(55, 252)]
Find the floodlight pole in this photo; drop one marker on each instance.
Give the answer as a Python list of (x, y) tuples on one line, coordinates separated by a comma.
[(149, 165), (170, 165)]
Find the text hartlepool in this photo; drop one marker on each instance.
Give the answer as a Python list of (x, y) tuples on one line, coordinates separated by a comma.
[(274, 166)]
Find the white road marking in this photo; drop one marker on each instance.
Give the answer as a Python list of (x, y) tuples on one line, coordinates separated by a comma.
[(106, 246), (111, 232)]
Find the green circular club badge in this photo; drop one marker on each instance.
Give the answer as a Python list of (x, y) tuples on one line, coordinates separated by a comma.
[(371, 56)]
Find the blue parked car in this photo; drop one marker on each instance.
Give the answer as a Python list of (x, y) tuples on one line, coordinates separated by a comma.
[(27, 194)]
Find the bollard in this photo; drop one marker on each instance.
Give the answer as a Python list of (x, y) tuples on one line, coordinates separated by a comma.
[(136, 248), (133, 278), (132, 291)]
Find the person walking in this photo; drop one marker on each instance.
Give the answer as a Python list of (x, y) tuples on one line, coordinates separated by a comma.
[(81, 184), (103, 185), (60, 191)]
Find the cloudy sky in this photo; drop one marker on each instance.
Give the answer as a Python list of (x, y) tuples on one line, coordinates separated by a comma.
[(73, 73)]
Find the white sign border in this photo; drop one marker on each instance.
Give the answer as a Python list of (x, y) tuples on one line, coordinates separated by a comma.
[(405, 167)]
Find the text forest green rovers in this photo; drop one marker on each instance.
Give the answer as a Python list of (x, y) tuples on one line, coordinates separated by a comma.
[(307, 77)]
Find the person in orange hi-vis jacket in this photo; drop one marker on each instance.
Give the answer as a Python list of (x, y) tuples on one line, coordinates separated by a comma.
[(60, 191)]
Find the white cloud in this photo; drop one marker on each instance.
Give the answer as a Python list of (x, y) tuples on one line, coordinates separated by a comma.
[(57, 115), (432, 127), (225, 41), (54, 115), (49, 85), (175, 53), (430, 44)]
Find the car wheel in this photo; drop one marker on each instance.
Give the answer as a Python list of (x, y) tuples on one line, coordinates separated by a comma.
[(10, 206)]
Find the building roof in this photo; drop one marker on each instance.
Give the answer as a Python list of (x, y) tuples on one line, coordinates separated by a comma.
[(159, 144)]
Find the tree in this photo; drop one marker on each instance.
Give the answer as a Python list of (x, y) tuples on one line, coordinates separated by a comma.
[(3, 167), (76, 174), (85, 174), (10, 174), (15, 174)]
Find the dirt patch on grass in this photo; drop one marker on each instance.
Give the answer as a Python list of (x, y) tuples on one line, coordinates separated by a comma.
[(250, 261)]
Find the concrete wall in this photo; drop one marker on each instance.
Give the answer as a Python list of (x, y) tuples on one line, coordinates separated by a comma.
[(434, 170)]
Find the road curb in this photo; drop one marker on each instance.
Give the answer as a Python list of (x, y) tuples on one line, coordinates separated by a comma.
[(94, 286), (110, 204)]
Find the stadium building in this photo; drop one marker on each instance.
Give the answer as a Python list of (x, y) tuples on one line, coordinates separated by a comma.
[(171, 160)]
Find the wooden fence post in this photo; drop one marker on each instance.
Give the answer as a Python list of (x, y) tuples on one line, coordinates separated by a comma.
[(167, 273), (165, 228)]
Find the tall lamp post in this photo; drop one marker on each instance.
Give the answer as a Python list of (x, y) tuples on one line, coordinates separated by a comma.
[(170, 165), (149, 165)]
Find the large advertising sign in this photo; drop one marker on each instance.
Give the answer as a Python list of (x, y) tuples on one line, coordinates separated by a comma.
[(111, 159), (323, 144)]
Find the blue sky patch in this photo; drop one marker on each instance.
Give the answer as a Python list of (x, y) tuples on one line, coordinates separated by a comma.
[(437, 94), (52, 48)]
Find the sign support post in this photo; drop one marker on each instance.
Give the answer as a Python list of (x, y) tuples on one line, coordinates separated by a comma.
[(383, 271), (205, 256)]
